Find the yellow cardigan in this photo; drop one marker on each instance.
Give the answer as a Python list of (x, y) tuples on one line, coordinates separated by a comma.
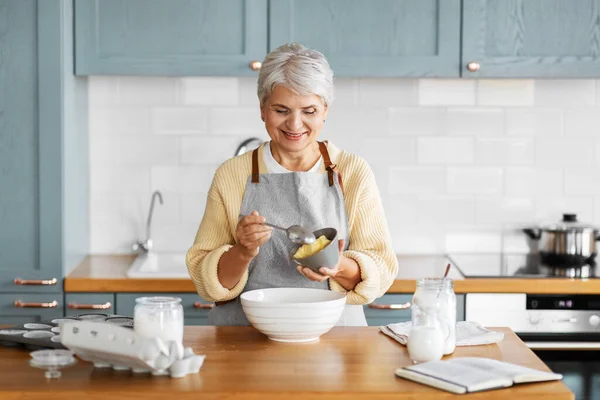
[(370, 244)]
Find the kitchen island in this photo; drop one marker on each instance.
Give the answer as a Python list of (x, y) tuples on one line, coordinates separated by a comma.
[(108, 273), (241, 363)]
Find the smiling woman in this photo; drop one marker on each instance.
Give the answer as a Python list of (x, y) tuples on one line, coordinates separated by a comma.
[(293, 179)]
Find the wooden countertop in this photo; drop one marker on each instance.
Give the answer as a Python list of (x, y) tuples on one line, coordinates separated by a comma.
[(108, 273), (241, 363)]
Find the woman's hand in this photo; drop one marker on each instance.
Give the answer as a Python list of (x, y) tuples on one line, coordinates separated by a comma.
[(251, 233), (346, 272)]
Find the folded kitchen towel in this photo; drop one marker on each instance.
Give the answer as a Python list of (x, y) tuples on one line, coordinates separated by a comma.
[(468, 333)]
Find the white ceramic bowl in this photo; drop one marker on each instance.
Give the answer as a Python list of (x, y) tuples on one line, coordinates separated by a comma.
[(293, 314)]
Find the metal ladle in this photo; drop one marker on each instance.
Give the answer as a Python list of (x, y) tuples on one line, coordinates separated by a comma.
[(296, 233)]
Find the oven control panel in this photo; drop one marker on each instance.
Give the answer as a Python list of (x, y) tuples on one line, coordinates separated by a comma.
[(535, 313)]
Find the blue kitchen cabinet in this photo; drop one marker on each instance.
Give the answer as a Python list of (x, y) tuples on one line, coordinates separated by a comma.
[(20, 308), (43, 173), (390, 308), (195, 310), (531, 38), (384, 38), (170, 37)]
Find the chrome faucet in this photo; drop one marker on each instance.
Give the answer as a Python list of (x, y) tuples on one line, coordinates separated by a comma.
[(244, 146), (146, 245)]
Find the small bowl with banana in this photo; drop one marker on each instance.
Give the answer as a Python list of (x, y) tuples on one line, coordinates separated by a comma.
[(323, 252)]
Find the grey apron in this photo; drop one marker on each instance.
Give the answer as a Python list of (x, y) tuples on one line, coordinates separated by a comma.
[(308, 199)]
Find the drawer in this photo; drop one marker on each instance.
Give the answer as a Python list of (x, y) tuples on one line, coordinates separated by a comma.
[(195, 310), (30, 307), (388, 309), (89, 303)]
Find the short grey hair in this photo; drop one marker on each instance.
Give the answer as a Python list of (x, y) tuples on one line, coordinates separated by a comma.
[(299, 69)]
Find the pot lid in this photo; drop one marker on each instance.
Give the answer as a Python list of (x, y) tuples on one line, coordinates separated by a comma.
[(569, 223)]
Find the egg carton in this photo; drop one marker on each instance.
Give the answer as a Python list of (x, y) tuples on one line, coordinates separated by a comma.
[(112, 346), (47, 334)]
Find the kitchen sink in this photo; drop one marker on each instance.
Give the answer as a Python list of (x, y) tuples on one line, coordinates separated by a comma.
[(159, 265)]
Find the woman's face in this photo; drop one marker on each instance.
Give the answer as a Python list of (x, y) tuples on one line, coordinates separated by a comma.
[(293, 121)]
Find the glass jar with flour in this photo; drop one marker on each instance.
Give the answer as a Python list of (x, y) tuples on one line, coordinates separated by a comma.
[(160, 317), (435, 298)]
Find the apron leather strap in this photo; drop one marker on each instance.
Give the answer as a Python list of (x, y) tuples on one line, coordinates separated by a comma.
[(255, 174), (329, 166)]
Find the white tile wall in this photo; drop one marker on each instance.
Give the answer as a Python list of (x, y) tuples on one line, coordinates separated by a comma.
[(461, 164)]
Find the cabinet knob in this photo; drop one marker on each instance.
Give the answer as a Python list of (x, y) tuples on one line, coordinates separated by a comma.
[(255, 65), (473, 66)]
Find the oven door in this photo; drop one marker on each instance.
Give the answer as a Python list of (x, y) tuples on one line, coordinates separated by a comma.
[(568, 341)]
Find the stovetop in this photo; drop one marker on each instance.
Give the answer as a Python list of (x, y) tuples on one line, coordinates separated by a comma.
[(507, 265)]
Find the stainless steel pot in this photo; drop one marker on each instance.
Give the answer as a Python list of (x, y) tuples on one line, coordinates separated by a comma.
[(565, 244)]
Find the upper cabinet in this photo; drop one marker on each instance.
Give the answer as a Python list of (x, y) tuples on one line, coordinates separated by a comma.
[(384, 38), (170, 37), (531, 38)]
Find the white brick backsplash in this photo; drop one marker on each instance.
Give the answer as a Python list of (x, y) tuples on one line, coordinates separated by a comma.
[(210, 91), (236, 121), (115, 121), (473, 240), (138, 90), (446, 210), (532, 181), (446, 92), (119, 179), (247, 95), (183, 179), (461, 164), (418, 121), (564, 152), (492, 151), (503, 209), (387, 92), (582, 122), (476, 121), (417, 181), (474, 180), (180, 120), (208, 149), (346, 92), (551, 208), (505, 92), (568, 92), (384, 152), (582, 181), (192, 207), (542, 122), (445, 150), (356, 122), (105, 90)]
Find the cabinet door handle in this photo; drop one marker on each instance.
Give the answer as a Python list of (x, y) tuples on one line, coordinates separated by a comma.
[(255, 65), (21, 304), (202, 306), (19, 281), (404, 306), (473, 66), (75, 306)]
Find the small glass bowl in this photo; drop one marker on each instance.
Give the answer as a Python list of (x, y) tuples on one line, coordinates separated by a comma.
[(52, 361)]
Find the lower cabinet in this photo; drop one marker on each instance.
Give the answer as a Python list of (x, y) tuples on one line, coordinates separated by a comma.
[(21, 308), (392, 308), (195, 310), (89, 303)]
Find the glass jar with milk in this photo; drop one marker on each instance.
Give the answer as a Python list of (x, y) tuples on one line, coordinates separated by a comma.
[(160, 317), (434, 315)]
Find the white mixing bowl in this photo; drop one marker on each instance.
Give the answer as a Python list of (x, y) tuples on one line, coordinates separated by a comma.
[(293, 314)]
